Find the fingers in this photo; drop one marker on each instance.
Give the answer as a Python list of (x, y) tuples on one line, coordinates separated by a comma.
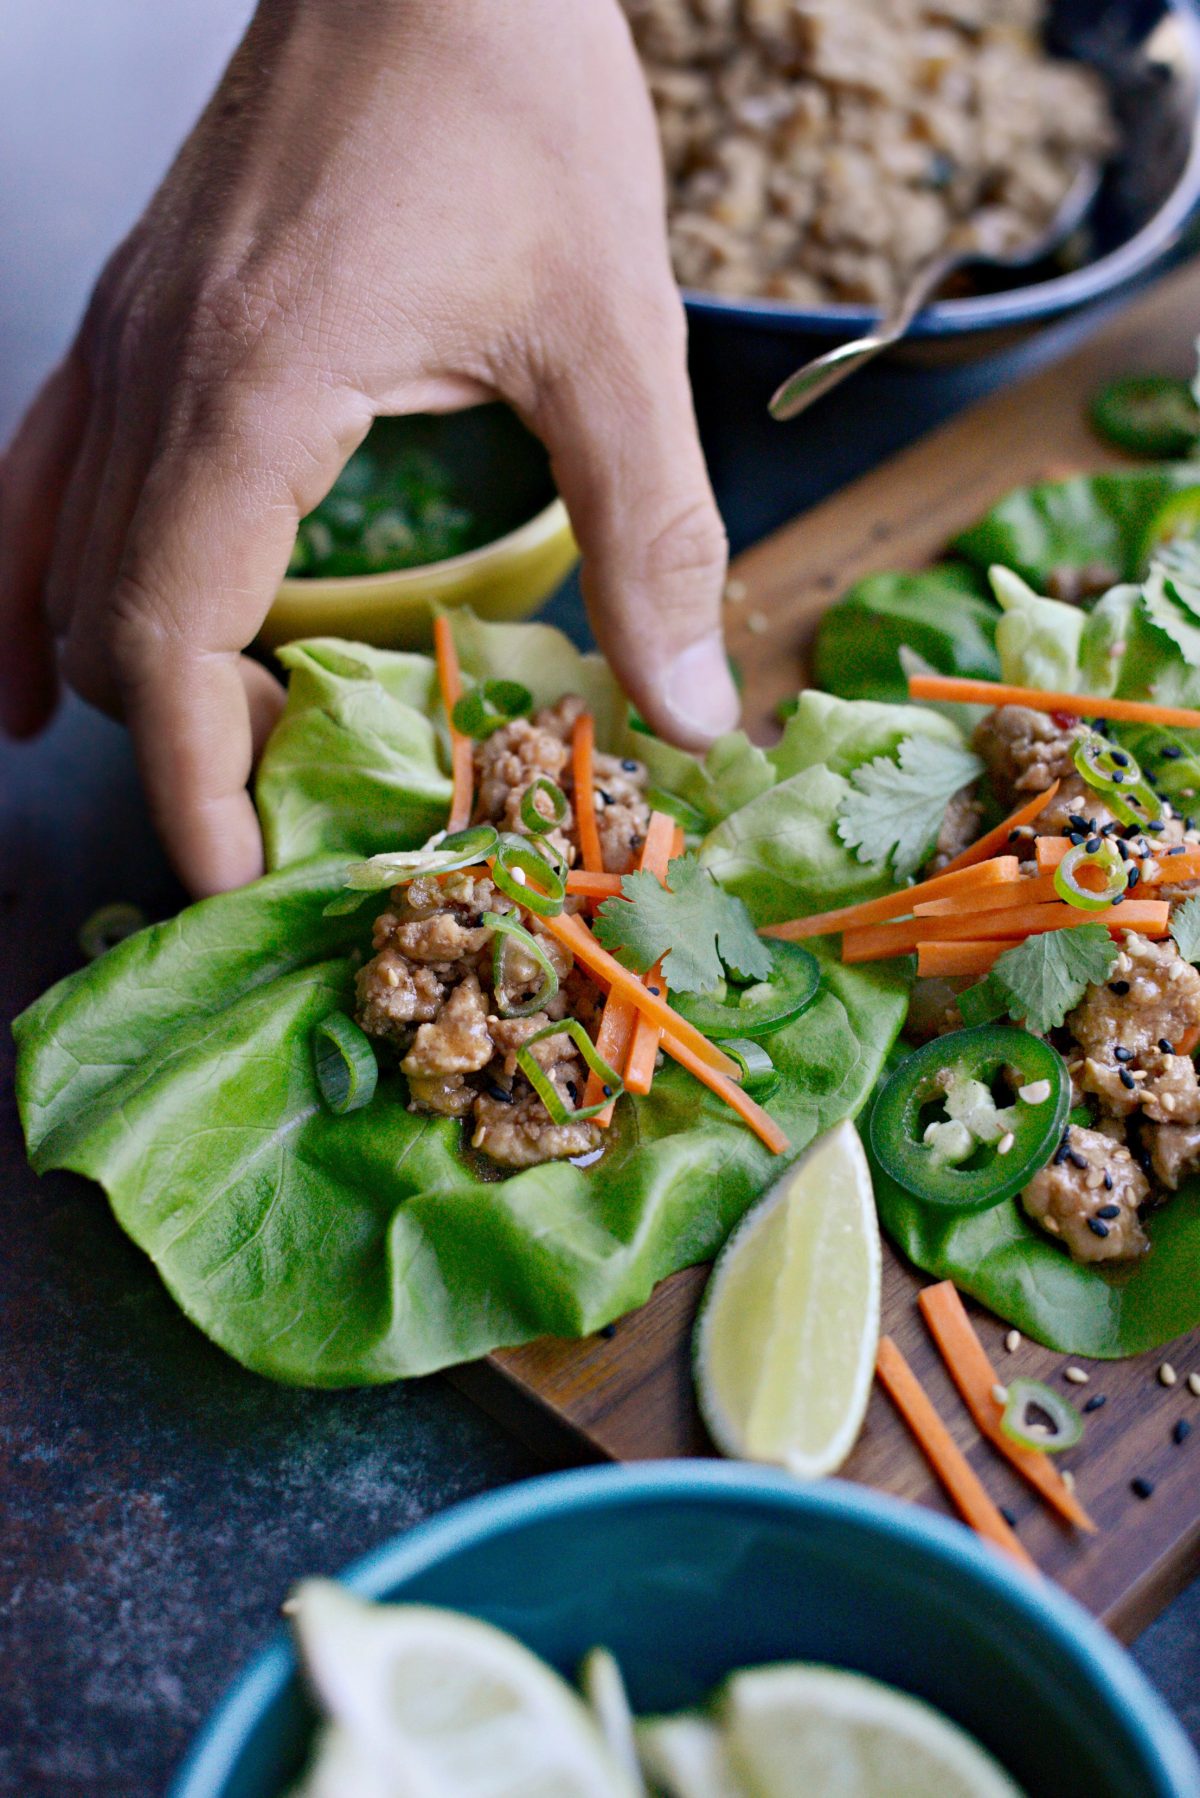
[(622, 435), (34, 473)]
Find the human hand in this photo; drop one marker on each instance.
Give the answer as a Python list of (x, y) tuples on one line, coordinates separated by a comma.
[(390, 207)]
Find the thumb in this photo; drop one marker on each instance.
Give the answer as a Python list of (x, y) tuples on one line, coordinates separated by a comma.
[(622, 436)]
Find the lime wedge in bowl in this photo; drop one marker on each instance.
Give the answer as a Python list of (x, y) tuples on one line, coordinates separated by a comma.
[(785, 1343)]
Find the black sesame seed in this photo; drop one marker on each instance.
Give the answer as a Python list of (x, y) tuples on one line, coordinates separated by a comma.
[(1109, 1211), (1156, 824), (573, 1090), (1010, 1517), (1150, 779), (1096, 1227), (1131, 831), (1076, 822), (1075, 836), (495, 1091), (1166, 1047), (1142, 1487), (1170, 752), (1097, 1401), (1123, 1054), (1060, 1154), (1127, 1080), (1182, 1430), (656, 990), (1014, 835), (630, 767), (1176, 851), (1077, 1160), (608, 1331), (605, 798), (1092, 844), (1108, 1181), (607, 1091), (1123, 851), (1135, 874), (1119, 758), (1118, 777), (1119, 987)]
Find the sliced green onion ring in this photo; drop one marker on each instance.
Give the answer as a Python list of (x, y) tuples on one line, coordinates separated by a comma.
[(395, 867), (517, 862), (110, 926), (1106, 861), (537, 821), (759, 1075), (694, 822), (486, 707), (509, 931), (1025, 1397), (545, 1088), (345, 1064), (1116, 776)]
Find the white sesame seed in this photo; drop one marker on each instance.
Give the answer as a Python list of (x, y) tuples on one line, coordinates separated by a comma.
[(1167, 1375), (1000, 1393), (1012, 1341), (1078, 1376), (1006, 1142), (1036, 1093), (1094, 1178), (1051, 1224), (1068, 1479), (1193, 1384), (757, 623), (391, 976), (1168, 1102), (735, 592)]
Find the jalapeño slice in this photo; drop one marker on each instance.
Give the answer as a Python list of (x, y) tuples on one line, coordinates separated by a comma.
[(983, 1150), (1152, 415), (756, 1010)]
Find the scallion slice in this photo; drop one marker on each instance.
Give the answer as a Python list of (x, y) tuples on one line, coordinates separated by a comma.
[(539, 822), (1062, 1429), (394, 868), (1116, 776), (509, 931), (110, 926), (518, 862), (1104, 860), (345, 1064), (493, 703), (760, 1076), (545, 1088)]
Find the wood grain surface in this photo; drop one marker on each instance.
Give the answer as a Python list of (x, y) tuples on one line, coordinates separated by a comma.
[(628, 1396)]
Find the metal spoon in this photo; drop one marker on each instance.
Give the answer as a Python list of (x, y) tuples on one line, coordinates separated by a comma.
[(979, 239)]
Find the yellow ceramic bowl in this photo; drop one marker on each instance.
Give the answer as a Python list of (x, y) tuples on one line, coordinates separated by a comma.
[(504, 580)]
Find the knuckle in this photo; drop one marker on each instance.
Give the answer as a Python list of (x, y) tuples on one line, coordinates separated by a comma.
[(689, 547)]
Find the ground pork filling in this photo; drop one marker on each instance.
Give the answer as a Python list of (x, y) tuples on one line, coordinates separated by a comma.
[(429, 988), (1127, 1044)]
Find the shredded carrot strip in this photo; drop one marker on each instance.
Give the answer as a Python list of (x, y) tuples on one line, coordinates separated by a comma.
[(958, 958), (678, 842), (997, 840), (583, 749), (1030, 889), (1076, 705), (628, 1028), (588, 885), (574, 934), (973, 1374), (1189, 1041), (1167, 868), (462, 762), (879, 942), (895, 905), (943, 1454), (760, 1121)]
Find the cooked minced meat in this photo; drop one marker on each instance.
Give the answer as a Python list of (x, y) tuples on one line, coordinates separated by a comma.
[(1152, 997), (1174, 1151), (1097, 1221), (959, 829), (1024, 751), (820, 150), (428, 989)]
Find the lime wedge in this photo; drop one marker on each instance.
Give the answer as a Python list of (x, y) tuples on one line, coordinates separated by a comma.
[(792, 1730), (785, 1343), (685, 1757), (426, 1703), (604, 1690)]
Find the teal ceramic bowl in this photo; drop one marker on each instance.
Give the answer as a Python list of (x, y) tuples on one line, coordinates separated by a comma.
[(687, 1570)]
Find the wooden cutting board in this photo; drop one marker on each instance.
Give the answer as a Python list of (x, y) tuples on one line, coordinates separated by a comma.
[(628, 1396)]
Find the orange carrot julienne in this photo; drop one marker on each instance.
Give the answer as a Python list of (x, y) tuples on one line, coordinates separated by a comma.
[(895, 905), (1163, 866), (949, 959), (1189, 1041), (586, 884), (678, 842), (1076, 705), (574, 934), (947, 1460), (748, 1109), (643, 1050), (995, 841), (583, 749), (968, 1365), (1030, 889), (880, 942), (462, 760)]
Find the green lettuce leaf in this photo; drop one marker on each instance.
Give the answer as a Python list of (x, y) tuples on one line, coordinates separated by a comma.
[(177, 1070), (1096, 520), (945, 615)]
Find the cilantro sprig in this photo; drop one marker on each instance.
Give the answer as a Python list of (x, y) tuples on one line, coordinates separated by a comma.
[(1042, 979), (896, 805), (1185, 928), (700, 930)]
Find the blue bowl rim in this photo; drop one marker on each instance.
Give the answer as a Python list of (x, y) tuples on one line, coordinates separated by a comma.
[(1040, 1606), (1014, 305)]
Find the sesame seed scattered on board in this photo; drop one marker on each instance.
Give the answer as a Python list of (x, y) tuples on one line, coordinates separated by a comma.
[(1000, 1393), (735, 592), (1068, 1479), (1182, 1430), (1193, 1382), (757, 623), (1012, 1341), (1078, 1376), (1142, 1487), (1167, 1375)]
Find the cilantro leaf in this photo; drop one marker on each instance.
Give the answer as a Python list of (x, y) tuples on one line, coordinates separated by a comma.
[(1043, 978), (694, 923), (897, 806), (1185, 928)]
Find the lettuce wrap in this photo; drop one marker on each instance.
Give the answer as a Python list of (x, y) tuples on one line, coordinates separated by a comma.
[(338, 1250)]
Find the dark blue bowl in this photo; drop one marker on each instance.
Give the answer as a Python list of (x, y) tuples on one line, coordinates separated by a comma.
[(687, 1570)]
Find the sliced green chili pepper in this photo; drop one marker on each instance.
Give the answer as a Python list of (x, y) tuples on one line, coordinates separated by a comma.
[(978, 1153), (1116, 776), (1152, 415), (1027, 1397), (694, 822), (760, 1009), (110, 926), (760, 1076), (541, 823), (545, 1088), (509, 931), (486, 707), (519, 860), (1104, 860), (345, 1064)]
